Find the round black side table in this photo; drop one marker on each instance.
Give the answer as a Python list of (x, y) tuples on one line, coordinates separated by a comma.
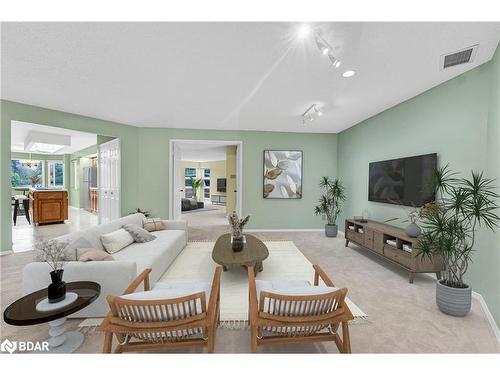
[(24, 312)]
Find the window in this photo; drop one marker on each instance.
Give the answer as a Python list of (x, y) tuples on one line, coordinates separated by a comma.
[(188, 173), (56, 173), (206, 183), (25, 173)]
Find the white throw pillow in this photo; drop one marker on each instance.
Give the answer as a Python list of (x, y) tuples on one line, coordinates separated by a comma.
[(117, 240)]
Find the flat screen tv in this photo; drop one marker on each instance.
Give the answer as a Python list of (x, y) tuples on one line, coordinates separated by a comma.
[(405, 181), (221, 185)]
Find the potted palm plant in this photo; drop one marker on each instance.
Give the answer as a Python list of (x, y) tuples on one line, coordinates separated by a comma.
[(195, 184), (449, 231), (329, 203)]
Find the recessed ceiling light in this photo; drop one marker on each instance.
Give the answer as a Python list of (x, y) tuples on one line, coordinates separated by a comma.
[(303, 31), (348, 73)]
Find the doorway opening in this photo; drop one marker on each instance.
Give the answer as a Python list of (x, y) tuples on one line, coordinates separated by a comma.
[(55, 182), (205, 181)]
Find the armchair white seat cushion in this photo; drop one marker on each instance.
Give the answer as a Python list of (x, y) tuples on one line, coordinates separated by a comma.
[(291, 288), (171, 290), (165, 291)]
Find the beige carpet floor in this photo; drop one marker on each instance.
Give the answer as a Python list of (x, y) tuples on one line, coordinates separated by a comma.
[(402, 317)]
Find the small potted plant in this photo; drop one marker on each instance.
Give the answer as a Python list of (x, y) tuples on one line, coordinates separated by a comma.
[(449, 229), (140, 211), (329, 203), (237, 238), (195, 184), (52, 252)]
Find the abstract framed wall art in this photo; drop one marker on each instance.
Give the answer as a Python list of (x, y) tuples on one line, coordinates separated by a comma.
[(282, 174)]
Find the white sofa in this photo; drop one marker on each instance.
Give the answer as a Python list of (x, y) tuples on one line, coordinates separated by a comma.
[(115, 275)]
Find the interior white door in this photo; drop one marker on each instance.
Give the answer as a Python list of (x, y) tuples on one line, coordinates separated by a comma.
[(176, 181), (109, 165)]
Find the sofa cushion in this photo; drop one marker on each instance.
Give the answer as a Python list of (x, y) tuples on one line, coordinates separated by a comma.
[(90, 254), (153, 224), (138, 233), (117, 240), (93, 234), (156, 254)]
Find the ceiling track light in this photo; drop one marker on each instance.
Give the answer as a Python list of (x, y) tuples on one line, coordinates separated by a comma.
[(311, 113), (325, 48)]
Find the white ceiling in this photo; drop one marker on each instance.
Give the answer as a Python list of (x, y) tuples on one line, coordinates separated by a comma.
[(79, 140), (202, 152), (252, 76)]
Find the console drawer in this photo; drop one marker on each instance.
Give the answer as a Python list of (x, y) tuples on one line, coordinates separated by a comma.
[(355, 236), (397, 255)]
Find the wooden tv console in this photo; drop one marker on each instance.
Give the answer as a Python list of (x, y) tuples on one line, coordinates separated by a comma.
[(372, 236)]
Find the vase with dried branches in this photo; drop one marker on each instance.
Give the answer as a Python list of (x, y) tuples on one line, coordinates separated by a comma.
[(237, 239), (52, 252)]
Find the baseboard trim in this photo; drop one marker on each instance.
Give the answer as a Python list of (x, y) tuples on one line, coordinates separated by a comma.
[(283, 230), (6, 252), (489, 317)]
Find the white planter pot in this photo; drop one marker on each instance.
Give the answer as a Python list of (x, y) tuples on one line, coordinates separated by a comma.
[(453, 301)]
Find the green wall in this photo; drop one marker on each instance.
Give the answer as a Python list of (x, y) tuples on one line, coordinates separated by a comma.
[(320, 151), (145, 166), (459, 120)]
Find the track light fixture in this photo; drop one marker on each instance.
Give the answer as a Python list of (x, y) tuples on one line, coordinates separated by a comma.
[(325, 48), (311, 113)]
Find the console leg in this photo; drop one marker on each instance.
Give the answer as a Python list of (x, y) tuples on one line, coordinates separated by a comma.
[(346, 243), (410, 278)]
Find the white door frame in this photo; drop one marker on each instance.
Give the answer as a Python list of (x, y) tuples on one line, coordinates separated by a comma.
[(239, 170)]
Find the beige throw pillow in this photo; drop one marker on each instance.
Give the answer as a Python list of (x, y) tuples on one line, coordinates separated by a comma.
[(153, 224), (90, 254), (117, 240)]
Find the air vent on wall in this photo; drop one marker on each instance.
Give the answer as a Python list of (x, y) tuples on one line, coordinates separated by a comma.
[(463, 56)]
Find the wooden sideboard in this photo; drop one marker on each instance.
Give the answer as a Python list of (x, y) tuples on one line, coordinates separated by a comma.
[(48, 206), (373, 236)]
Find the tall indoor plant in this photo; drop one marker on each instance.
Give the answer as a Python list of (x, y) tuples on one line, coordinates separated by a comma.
[(329, 203), (450, 227), (195, 184)]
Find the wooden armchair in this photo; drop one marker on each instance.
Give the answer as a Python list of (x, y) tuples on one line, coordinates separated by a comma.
[(300, 316), (149, 324)]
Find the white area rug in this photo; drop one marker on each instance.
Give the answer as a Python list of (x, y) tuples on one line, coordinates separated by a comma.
[(285, 262)]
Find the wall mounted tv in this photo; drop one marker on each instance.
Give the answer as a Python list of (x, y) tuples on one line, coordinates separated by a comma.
[(221, 185), (405, 181)]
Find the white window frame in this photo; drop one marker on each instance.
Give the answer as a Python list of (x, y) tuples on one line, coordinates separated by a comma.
[(51, 163)]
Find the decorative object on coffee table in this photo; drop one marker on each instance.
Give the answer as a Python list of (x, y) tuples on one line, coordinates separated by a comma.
[(253, 253), (53, 254), (237, 238), (282, 174), (35, 309), (329, 203)]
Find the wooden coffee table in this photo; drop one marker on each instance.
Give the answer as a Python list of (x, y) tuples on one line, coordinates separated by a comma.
[(253, 253)]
